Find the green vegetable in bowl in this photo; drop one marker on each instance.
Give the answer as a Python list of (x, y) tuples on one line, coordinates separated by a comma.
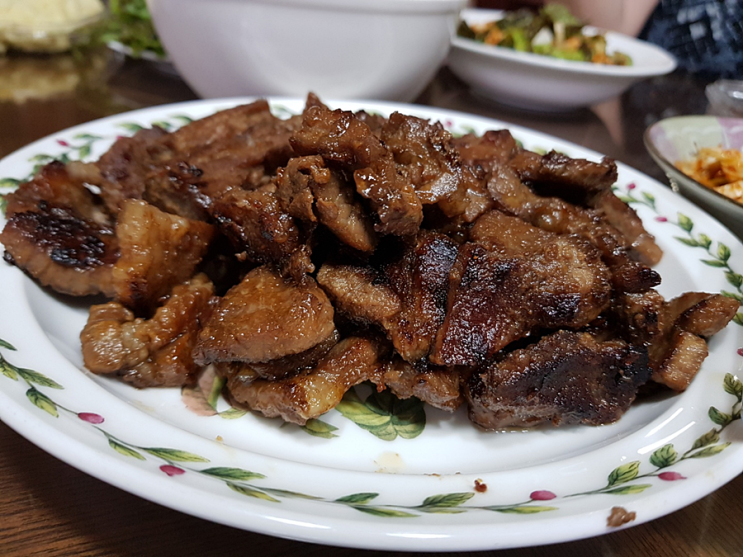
[(552, 31), (131, 24)]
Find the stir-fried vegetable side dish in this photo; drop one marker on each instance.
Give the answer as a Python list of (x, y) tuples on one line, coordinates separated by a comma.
[(553, 31)]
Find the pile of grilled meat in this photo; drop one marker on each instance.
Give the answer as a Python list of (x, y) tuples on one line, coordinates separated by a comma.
[(301, 257)]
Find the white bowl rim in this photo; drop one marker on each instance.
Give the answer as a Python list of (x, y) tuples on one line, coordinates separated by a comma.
[(670, 168), (393, 6), (667, 64)]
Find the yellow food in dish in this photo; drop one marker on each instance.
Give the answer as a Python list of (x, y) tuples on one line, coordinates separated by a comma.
[(718, 169)]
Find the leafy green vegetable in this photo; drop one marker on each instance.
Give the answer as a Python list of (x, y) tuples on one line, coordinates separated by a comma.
[(131, 25), (552, 31)]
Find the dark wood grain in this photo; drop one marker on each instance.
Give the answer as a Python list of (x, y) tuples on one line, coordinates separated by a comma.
[(49, 508)]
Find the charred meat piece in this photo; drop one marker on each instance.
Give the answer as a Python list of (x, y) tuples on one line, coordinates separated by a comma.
[(148, 353), (438, 387), (565, 378), (312, 393), (158, 251), (513, 197), (311, 192), (617, 213), (420, 278), (266, 317), (359, 294), (491, 150), (236, 148), (62, 186), (126, 166), (554, 174), (686, 322), (348, 143), (255, 223), (424, 153), (516, 280), (62, 250)]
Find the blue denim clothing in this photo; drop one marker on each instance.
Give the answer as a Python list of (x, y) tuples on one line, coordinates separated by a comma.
[(706, 36)]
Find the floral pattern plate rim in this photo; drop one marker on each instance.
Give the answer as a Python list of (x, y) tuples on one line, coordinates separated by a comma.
[(448, 487)]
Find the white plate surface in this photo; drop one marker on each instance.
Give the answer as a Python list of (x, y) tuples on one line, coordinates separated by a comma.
[(355, 489)]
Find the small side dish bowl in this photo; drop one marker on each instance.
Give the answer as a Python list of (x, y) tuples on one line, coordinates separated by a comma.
[(544, 83), (380, 49), (680, 138)]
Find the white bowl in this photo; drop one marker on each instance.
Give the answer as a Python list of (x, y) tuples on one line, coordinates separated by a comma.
[(538, 82), (381, 49), (679, 138)]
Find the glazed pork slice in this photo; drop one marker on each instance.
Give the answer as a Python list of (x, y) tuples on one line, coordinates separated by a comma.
[(438, 387), (152, 352), (312, 193), (236, 148), (348, 143), (565, 378), (425, 155), (420, 278), (556, 215), (311, 393), (266, 317), (61, 250), (359, 294), (517, 279), (256, 225), (158, 251), (126, 166), (686, 323)]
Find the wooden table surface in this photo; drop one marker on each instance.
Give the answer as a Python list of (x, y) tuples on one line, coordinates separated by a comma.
[(50, 508)]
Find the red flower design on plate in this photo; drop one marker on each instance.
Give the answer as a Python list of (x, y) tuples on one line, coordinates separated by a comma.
[(542, 495), (171, 470), (90, 417)]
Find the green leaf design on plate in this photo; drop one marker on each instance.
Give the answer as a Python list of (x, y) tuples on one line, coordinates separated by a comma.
[(704, 241), (629, 489), (130, 127), (447, 500), (182, 118), (664, 457), (8, 370), (318, 428), (357, 498), (522, 509), (251, 492), (720, 418), (384, 512), (9, 183), (723, 252), (625, 473), (733, 386), (6, 344), (738, 319), (86, 137), (293, 494), (235, 474), (83, 151), (688, 242), (734, 279), (710, 451), (124, 450), (709, 438), (40, 400), (174, 455), (713, 263), (384, 415), (685, 222), (40, 379), (232, 413)]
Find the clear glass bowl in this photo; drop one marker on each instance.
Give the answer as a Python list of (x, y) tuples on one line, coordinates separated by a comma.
[(725, 98)]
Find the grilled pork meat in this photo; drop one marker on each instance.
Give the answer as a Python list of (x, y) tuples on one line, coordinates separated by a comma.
[(310, 394), (265, 317), (439, 387), (152, 352), (565, 378)]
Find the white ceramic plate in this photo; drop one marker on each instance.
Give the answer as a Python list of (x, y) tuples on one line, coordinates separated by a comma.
[(678, 139), (352, 488), (534, 81)]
